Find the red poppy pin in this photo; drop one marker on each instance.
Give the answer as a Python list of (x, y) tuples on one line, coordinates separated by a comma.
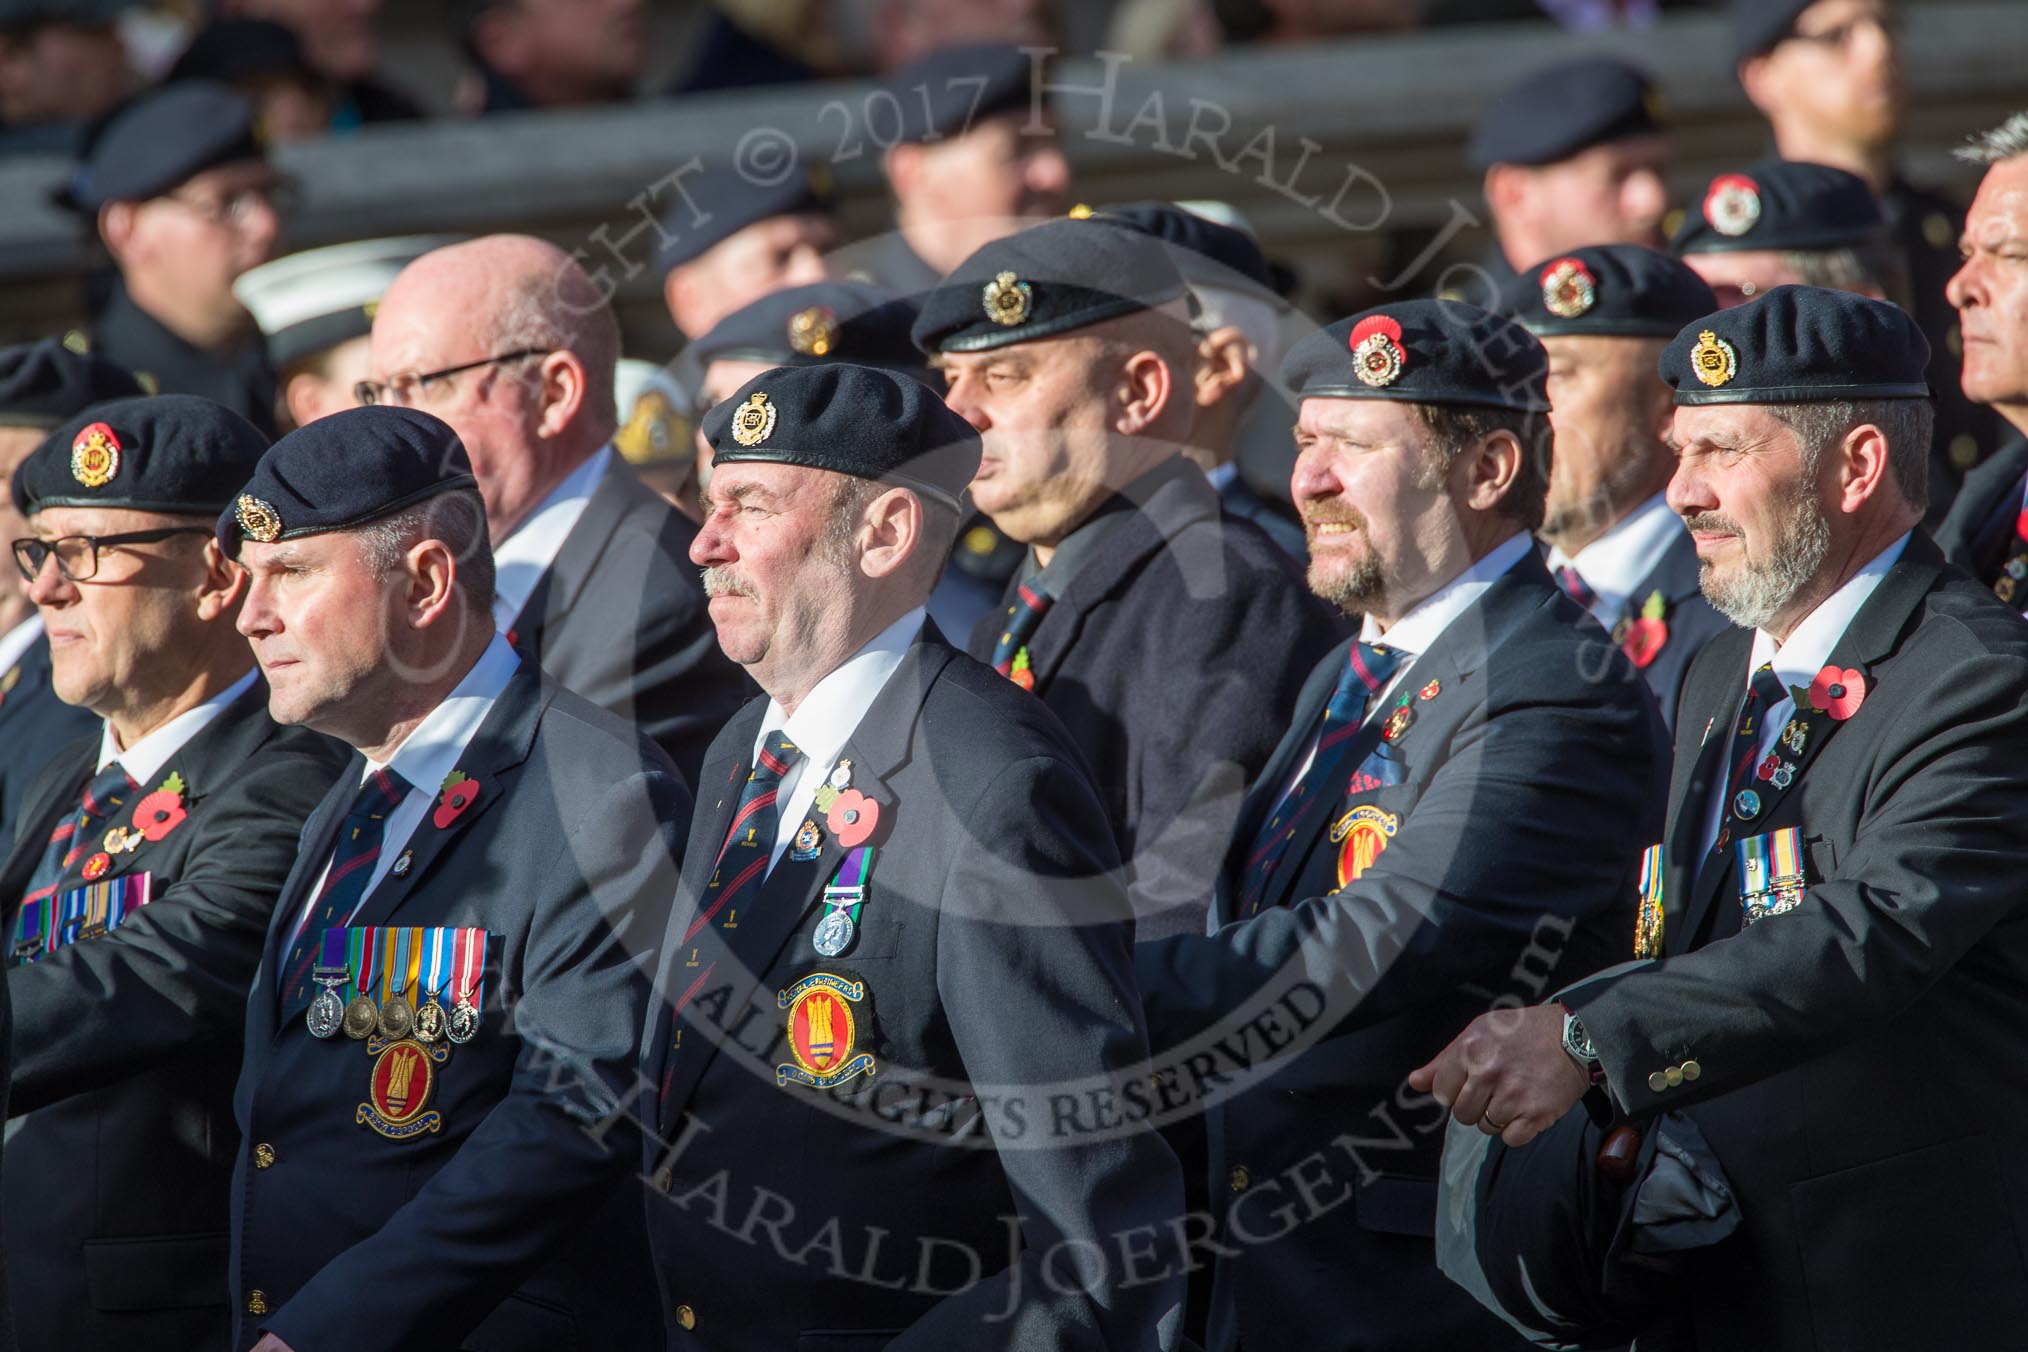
[(852, 818), (1768, 768), (1838, 692), (460, 792), (161, 811), (1647, 633)]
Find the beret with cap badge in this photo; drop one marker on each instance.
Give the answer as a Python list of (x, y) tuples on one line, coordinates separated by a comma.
[(1608, 290), (1781, 204), (1424, 352), (174, 453), (818, 322), (1563, 110), (1799, 345)]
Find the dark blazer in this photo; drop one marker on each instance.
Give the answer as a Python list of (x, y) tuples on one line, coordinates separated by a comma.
[(998, 1004), (241, 379), (1691, 621), (620, 619), (1978, 533), (34, 726), (506, 1228), (1517, 797), (1174, 657), (1859, 1075), (125, 1046)]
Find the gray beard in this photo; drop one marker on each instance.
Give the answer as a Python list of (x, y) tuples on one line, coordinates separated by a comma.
[(1764, 590)]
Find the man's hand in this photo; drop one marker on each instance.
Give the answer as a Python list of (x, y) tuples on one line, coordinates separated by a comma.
[(270, 1343), (1507, 1074)]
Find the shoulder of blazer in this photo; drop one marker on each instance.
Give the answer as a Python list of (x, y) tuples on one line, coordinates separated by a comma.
[(1982, 496)]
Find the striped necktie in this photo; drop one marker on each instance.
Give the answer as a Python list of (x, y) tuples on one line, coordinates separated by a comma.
[(1010, 654), (1368, 667), (360, 837), (1574, 586), (1764, 691)]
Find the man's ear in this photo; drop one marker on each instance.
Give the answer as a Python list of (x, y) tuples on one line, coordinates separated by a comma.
[(1489, 470), (1865, 467), (903, 164), (1143, 391), (223, 586), (1225, 357), (892, 527), (116, 228)]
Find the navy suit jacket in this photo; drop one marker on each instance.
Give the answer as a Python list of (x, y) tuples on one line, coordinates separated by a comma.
[(934, 1202), (1513, 805), (508, 1227), (34, 726), (1978, 533)]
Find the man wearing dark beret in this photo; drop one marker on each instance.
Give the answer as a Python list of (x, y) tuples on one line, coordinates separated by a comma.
[(1986, 531), (1827, 76), (899, 937), (145, 864), (1447, 826), (1604, 314), (1169, 637), (41, 385), (1832, 981), (449, 1006), (509, 341), (1784, 223), (1573, 154), (976, 157), (729, 238), (185, 201)]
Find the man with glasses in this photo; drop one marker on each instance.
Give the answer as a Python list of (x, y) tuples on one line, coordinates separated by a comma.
[(41, 385), (1826, 74), (136, 896), (185, 201), (509, 341)]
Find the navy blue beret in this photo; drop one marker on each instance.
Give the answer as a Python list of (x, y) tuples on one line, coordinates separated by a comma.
[(822, 321), (231, 50), (849, 419), (1425, 352), (1781, 204), (343, 471), (947, 92), (1799, 345), (1044, 281), (161, 140), (720, 200), (1619, 290), (1565, 109), (157, 453), (44, 383), (1206, 252), (1759, 26)]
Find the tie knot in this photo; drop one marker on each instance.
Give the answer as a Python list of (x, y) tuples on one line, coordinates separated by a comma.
[(1767, 688), (380, 794), (1368, 668), (105, 788), (778, 756)]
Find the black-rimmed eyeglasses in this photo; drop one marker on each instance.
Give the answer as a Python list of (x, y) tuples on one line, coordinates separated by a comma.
[(404, 387), (77, 556)]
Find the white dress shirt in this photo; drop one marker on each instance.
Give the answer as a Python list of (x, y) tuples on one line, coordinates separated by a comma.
[(520, 560), (425, 756), (146, 757), (824, 721), (1618, 562), (16, 642), (1796, 663)]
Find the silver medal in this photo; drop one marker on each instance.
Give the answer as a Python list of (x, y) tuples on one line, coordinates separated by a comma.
[(464, 1021), (834, 934), (325, 1014)]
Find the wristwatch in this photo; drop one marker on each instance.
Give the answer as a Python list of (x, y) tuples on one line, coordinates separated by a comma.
[(1578, 1047)]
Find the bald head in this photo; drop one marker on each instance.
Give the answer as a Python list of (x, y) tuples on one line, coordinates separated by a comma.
[(527, 420)]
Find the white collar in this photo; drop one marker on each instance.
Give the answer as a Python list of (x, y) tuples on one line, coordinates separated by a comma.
[(1619, 561), (833, 708), (15, 643), (152, 752), (1798, 661), (520, 560), (431, 751), (1413, 633)]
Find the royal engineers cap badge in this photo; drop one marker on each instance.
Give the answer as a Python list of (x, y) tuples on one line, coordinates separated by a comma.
[(754, 420), (259, 520), (1007, 299), (1713, 361)]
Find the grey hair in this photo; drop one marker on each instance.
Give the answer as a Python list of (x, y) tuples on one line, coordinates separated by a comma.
[(2007, 141), (1907, 423), (564, 313), (457, 518)]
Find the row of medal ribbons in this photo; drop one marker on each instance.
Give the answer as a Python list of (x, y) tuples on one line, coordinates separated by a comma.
[(63, 919), (394, 983)]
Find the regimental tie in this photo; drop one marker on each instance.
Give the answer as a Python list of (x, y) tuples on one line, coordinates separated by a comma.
[(2010, 581), (1010, 654), (1742, 800), (360, 837), (1317, 790), (102, 797), (1574, 586), (742, 864)]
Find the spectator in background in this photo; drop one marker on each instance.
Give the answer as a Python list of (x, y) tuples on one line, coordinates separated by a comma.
[(655, 435), (185, 201), (1574, 154), (316, 310), (62, 67), (556, 53), (730, 240), (1780, 223), (1827, 76), (263, 61), (906, 31), (740, 44), (340, 42), (971, 165)]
